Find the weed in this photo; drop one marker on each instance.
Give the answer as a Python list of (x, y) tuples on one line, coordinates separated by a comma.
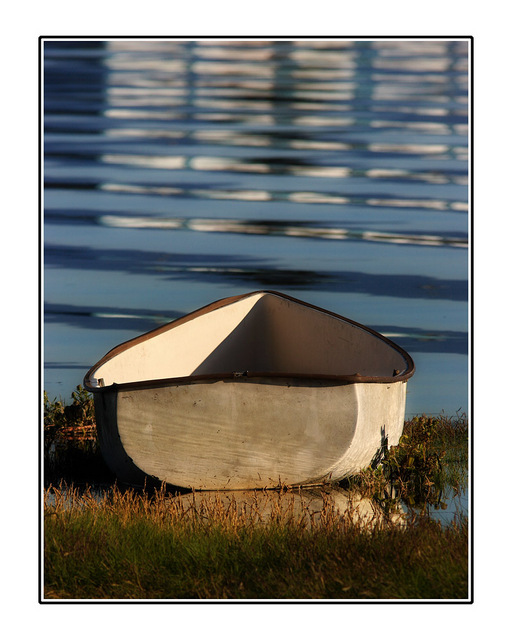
[(70, 444), (129, 545), (418, 471), (355, 543)]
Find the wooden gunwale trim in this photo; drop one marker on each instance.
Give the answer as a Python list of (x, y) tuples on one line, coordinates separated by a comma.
[(353, 378), (254, 376)]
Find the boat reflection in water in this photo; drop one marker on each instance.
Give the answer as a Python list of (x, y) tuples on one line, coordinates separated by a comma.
[(302, 507)]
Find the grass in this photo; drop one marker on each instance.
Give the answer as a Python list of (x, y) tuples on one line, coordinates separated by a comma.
[(129, 545), (126, 545)]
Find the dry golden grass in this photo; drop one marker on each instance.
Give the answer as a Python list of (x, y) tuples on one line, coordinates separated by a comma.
[(125, 545)]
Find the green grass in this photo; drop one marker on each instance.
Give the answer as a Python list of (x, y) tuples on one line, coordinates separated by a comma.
[(127, 545), (130, 546)]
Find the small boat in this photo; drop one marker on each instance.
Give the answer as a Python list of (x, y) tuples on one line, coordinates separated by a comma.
[(254, 391)]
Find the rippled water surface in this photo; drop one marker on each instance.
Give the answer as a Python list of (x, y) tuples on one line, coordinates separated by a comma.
[(180, 172)]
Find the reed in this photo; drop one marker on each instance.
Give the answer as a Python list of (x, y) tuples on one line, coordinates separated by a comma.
[(124, 545), (114, 544)]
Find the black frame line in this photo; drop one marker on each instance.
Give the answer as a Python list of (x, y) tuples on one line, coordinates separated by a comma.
[(231, 37)]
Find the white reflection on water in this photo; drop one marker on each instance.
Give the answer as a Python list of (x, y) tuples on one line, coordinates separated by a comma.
[(216, 163), (218, 225), (307, 506), (262, 195)]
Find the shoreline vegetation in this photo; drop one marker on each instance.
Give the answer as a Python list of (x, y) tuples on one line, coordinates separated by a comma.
[(372, 537)]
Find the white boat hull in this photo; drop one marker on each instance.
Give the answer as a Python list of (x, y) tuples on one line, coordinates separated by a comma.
[(253, 433), (248, 430)]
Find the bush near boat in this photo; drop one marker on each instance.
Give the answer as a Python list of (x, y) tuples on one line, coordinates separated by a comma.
[(430, 459), (143, 545), (71, 451)]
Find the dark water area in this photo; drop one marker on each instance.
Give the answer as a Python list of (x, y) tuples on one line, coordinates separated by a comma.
[(180, 172)]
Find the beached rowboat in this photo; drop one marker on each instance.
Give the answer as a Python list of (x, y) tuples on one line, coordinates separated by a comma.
[(258, 390)]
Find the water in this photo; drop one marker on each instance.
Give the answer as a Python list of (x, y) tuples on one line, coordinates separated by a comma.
[(180, 172)]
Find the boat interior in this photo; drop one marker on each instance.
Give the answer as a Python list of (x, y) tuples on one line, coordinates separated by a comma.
[(259, 333)]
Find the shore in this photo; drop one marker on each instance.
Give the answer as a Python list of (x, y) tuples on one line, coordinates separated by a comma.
[(372, 537)]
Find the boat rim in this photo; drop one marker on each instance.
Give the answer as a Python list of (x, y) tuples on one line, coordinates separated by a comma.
[(401, 376)]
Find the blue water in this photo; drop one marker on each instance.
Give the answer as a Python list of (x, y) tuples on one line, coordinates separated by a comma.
[(180, 172)]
